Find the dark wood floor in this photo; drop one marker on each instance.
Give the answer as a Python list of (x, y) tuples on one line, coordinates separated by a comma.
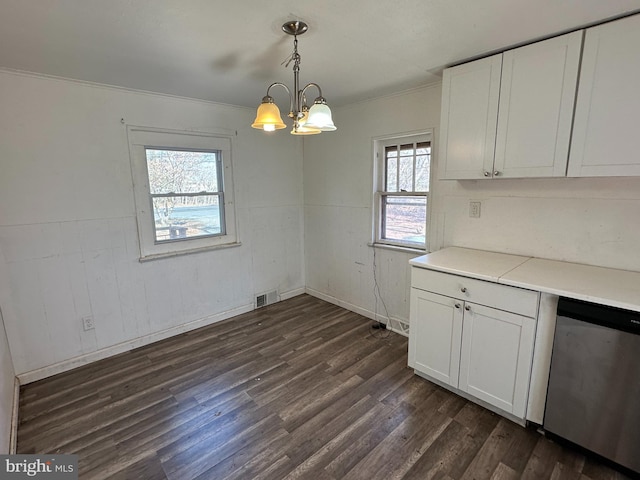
[(300, 389)]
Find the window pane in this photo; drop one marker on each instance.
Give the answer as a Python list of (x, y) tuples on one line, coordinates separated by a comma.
[(391, 151), (392, 175), (405, 219), (406, 150), (423, 148), (176, 171), (187, 217), (406, 174), (422, 173)]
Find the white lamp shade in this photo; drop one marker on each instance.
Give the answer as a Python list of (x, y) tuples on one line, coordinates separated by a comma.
[(268, 117), (302, 128), (305, 130), (320, 118)]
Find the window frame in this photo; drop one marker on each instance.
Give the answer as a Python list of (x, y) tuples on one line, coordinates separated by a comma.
[(380, 184), (218, 193), (143, 138)]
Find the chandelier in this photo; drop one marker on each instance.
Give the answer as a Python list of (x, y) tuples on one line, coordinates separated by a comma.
[(306, 121)]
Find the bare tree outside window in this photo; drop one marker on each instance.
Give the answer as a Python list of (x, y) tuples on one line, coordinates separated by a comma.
[(186, 193), (403, 193)]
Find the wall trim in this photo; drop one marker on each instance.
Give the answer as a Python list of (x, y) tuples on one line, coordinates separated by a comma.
[(406, 91), (63, 366), (13, 433), (389, 321), (106, 86), (292, 293)]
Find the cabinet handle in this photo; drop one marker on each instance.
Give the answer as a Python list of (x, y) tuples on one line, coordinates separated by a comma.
[(457, 305), (486, 174), (467, 308), (463, 289), (496, 173)]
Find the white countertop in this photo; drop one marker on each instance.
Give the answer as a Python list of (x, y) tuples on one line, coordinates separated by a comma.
[(606, 286), (470, 263)]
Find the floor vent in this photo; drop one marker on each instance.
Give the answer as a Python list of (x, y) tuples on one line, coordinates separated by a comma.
[(265, 299), (398, 326)]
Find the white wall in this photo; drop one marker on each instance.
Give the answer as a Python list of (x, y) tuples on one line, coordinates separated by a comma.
[(7, 378), (68, 230), (584, 220), (590, 220), (338, 193)]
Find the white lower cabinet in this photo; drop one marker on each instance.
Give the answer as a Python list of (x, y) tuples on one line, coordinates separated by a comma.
[(483, 351), (497, 350), (435, 336)]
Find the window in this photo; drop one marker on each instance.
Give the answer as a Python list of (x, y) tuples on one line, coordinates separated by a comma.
[(186, 193), (183, 190), (402, 191)]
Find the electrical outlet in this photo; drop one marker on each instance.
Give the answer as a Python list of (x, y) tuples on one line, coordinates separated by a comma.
[(474, 209), (87, 323)]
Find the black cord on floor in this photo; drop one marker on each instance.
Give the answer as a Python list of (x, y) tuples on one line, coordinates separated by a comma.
[(378, 329)]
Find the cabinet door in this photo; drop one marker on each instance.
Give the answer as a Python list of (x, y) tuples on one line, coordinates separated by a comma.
[(435, 335), (469, 118), (497, 349), (605, 131), (537, 95)]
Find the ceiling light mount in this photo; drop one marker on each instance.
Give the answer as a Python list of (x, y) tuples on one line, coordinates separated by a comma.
[(295, 28), (306, 120)]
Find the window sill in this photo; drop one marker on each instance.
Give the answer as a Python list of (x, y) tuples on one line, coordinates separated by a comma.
[(158, 256), (396, 248)]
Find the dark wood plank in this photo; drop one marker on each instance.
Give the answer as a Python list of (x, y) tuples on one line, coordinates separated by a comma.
[(504, 472), (493, 449), (543, 460), (297, 390), (451, 453)]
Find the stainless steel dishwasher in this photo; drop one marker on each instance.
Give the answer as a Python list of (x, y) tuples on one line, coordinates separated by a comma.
[(593, 398)]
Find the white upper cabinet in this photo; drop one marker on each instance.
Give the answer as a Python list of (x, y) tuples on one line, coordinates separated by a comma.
[(469, 117), (605, 131), (510, 115), (537, 96)]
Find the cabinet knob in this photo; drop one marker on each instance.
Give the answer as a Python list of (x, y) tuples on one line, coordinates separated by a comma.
[(463, 289), (487, 174), (496, 173), (467, 308), (457, 305)]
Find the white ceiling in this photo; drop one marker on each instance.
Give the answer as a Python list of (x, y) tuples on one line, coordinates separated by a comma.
[(229, 51)]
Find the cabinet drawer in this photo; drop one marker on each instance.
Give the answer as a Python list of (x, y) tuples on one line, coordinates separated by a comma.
[(503, 297)]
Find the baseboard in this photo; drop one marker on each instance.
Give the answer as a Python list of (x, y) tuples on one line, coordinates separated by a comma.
[(13, 434), (341, 303), (401, 327), (292, 293), (48, 371), (65, 365), (359, 310)]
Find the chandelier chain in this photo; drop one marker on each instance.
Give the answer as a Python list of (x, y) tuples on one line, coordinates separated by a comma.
[(295, 56)]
